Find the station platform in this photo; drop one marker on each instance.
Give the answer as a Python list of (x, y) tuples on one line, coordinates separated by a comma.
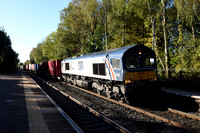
[(184, 93), (26, 108)]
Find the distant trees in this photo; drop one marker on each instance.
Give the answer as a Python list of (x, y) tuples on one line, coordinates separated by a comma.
[(187, 40), (8, 57), (95, 25)]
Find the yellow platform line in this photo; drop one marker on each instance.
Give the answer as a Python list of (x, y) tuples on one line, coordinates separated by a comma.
[(36, 121)]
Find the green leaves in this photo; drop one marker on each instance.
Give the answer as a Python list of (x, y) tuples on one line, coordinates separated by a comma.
[(8, 57)]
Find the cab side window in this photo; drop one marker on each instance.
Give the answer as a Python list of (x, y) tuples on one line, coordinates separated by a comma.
[(66, 66), (116, 63)]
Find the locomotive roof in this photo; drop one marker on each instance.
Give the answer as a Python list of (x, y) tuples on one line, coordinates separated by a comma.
[(117, 52)]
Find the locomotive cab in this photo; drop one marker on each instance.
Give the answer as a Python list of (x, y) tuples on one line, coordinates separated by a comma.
[(140, 71), (139, 65)]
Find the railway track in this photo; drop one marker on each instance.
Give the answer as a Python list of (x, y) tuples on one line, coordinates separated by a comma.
[(82, 115), (158, 116), (179, 119), (189, 115), (173, 117), (187, 118)]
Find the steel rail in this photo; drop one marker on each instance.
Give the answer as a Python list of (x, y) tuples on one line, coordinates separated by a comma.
[(184, 114)]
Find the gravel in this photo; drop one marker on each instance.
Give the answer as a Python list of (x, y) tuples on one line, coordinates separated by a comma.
[(130, 119)]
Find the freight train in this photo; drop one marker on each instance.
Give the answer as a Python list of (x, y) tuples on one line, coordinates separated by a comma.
[(115, 72)]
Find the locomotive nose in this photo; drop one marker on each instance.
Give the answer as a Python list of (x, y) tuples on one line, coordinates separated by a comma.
[(130, 77)]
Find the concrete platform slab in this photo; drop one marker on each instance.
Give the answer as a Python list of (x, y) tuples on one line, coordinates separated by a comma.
[(26, 108)]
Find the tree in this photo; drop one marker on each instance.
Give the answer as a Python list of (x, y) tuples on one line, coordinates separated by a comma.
[(187, 42), (71, 30), (188, 11), (36, 55), (8, 57)]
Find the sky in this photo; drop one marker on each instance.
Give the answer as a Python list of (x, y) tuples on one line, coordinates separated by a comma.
[(29, 22)]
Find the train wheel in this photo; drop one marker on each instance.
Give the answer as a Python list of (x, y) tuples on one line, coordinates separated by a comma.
[(120, 98), (107, 92), (95, 87), (126, 100), (97, 91), (74, 82)]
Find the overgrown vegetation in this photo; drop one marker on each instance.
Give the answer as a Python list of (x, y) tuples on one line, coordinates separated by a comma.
[(8, 57), (94, 25)]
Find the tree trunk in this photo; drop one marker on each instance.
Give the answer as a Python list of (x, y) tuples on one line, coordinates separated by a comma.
[(124, 35), (106, 26), (165, 40), (124, 29), (156, 49), (161, 62), (193, 36)]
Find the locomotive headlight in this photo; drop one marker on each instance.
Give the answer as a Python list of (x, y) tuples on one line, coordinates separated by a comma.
[(129, 77), (127, 81)]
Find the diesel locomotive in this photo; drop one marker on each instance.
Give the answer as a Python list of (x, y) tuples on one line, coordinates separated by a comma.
[(115, 72)]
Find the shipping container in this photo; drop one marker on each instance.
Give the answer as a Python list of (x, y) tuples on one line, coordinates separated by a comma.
[(54, 68), (43, 68), (31, 67), (24, 67), (27, 67), (36, 67)]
